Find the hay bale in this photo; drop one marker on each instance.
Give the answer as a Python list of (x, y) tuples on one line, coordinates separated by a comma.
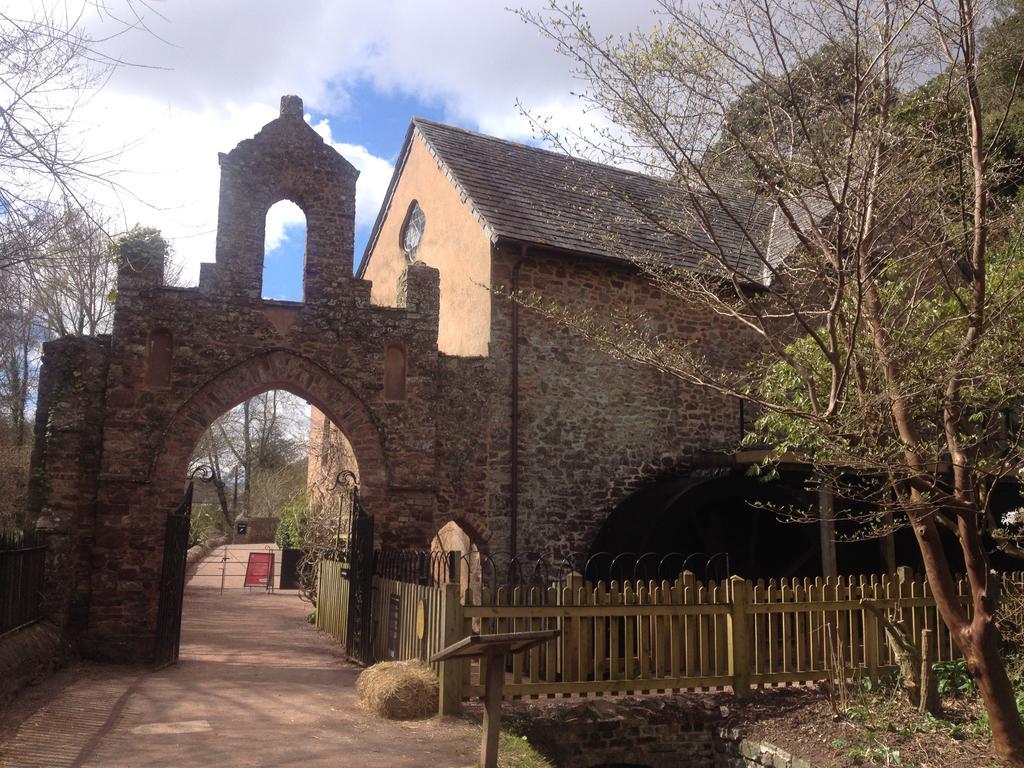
[(399, 690)]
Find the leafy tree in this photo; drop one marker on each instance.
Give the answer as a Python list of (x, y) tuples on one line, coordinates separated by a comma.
[(293, 520), (885, 332), (141, 246), (1001, 70)]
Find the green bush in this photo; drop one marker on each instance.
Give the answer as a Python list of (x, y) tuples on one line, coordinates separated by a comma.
[(289, 527)]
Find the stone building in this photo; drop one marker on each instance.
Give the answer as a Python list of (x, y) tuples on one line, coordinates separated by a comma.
[(461, 410), (547, 442)]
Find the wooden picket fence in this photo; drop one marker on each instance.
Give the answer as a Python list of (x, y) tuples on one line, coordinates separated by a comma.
[(643, 637), (332, 600), (407, 620)]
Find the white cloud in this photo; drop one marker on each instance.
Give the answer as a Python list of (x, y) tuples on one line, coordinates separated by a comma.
[(281, 216), (214, 72)]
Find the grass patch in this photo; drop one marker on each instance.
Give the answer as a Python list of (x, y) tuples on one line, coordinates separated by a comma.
[(516, 752)]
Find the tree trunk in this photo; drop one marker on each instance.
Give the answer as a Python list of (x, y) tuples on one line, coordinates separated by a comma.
[(980, 646), (21, 394), (222, 496), (901, 645), (929, 703), (977, 638), (247, 455)]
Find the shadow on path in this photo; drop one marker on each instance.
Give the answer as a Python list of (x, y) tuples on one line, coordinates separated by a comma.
[(256, 686)]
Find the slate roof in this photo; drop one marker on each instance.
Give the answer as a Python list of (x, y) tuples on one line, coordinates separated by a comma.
[(545, 198)]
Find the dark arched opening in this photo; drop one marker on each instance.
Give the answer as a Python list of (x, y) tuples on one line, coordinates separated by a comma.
[(718, 522), (726, 518)]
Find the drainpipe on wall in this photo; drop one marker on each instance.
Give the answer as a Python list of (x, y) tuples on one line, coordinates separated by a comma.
[(514, 447)]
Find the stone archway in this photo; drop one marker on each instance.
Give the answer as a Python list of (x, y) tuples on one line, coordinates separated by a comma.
[(276, 369), (119, 416)]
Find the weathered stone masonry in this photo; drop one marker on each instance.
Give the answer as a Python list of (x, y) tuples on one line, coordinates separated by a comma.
[(593, 429), (114, 442), (546, 433)]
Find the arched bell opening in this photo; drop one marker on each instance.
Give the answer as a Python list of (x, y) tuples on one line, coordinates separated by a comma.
[(284, 253)]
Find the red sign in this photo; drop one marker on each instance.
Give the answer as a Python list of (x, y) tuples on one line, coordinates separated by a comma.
[(259, 570)]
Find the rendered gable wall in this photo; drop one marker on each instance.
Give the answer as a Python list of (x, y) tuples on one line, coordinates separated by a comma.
[(453, 242)]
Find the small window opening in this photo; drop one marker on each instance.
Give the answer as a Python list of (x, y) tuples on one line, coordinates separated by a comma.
[(412, 231), (284, 252), (394, 372), (159, 350)]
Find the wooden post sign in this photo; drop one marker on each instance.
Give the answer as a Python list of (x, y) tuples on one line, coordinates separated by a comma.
[(493, 649), (259, 571)]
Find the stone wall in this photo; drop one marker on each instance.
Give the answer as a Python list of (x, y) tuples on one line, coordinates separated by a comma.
[(27, 656), (642, 733), (593, 428), (732, 750), (655, 733), (64, 480), (468, 415)]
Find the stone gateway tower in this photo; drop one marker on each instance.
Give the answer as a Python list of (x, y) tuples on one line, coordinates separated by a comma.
[(119, 416)]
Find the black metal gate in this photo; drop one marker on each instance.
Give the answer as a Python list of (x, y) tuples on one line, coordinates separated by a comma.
[(172, 582), (358, 644)]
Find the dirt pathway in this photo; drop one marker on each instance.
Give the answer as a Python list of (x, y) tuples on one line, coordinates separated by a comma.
[(256, 686)]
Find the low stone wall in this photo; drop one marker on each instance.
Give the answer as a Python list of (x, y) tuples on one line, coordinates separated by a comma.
[(199, 551), (643, 733), (28, 655), (734, 751), (647, 733)]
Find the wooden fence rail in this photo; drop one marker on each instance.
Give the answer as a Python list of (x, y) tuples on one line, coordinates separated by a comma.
[(642, 637), (650, 636), (332, 600)]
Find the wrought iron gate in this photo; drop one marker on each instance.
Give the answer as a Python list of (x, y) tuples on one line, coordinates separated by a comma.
[(172, 579), (359, 643)]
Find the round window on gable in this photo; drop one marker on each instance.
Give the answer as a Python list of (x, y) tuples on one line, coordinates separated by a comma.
[(412, 230)]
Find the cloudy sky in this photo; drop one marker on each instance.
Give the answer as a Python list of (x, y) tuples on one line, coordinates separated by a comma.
[(211, 73)]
